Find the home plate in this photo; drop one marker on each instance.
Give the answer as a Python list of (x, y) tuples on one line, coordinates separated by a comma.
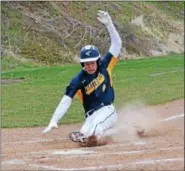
[(73, 152)]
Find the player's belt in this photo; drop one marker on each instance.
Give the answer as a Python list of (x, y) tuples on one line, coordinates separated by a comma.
[(90, 112)]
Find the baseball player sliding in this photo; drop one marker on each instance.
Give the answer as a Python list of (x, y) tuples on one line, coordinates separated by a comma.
[(93, 84)]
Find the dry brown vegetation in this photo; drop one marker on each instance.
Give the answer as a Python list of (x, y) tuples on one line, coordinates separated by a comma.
[(53, 32)]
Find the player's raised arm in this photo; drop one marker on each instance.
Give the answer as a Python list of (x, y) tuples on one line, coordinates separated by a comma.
[(116, 42)]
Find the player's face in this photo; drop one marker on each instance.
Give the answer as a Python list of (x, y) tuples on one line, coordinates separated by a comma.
[(90, 67)]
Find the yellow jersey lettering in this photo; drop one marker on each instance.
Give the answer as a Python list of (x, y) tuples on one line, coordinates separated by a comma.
[(94, 84)]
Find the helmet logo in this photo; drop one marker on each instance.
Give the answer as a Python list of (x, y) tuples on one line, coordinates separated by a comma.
[(88, 53)]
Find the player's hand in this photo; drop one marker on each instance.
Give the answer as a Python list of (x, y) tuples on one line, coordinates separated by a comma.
[(104, 17), (50, 127)]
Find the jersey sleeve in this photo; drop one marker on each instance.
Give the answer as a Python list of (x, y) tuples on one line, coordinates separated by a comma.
[(73, 87), (109, 61)]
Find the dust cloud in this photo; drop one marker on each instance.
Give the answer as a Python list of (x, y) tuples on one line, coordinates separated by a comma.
[(133, 117)]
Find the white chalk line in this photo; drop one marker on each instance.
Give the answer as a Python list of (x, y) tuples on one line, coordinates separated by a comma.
[(36, 141), (12, 162), (158, 161), (136, 163), (51, 140), (84, 152), (75, 153), (135, 143), (162, 73), (172, 118), (20, 162), (151, 75)]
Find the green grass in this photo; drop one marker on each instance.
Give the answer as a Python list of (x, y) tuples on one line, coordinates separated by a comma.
[(10, 62), (33, 101)]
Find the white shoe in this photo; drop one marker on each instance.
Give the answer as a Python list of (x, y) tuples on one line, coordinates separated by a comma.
[(77, 137)]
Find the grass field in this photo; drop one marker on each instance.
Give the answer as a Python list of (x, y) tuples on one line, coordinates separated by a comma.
[(33, 101)]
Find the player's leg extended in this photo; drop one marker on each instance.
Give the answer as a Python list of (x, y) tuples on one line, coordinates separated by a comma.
[(105, 121), (101, 120), (84, 133), (96, 125)]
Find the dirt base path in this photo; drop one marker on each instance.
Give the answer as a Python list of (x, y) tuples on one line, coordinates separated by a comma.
[(28, 149)]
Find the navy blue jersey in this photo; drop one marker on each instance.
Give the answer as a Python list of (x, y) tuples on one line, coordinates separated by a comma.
[(94, 89)]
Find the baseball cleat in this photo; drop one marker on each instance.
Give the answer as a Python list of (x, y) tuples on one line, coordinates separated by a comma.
[(77, 137)]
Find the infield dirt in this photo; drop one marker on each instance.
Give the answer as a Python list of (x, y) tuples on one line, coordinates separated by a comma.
[(160, 148)]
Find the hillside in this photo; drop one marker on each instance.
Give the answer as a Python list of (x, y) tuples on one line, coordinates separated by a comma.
[(53, 32)]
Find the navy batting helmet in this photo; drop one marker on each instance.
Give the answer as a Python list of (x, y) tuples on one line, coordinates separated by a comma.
[(89, 53)]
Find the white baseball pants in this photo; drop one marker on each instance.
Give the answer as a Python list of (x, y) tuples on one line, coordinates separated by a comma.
[(100, 121)]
